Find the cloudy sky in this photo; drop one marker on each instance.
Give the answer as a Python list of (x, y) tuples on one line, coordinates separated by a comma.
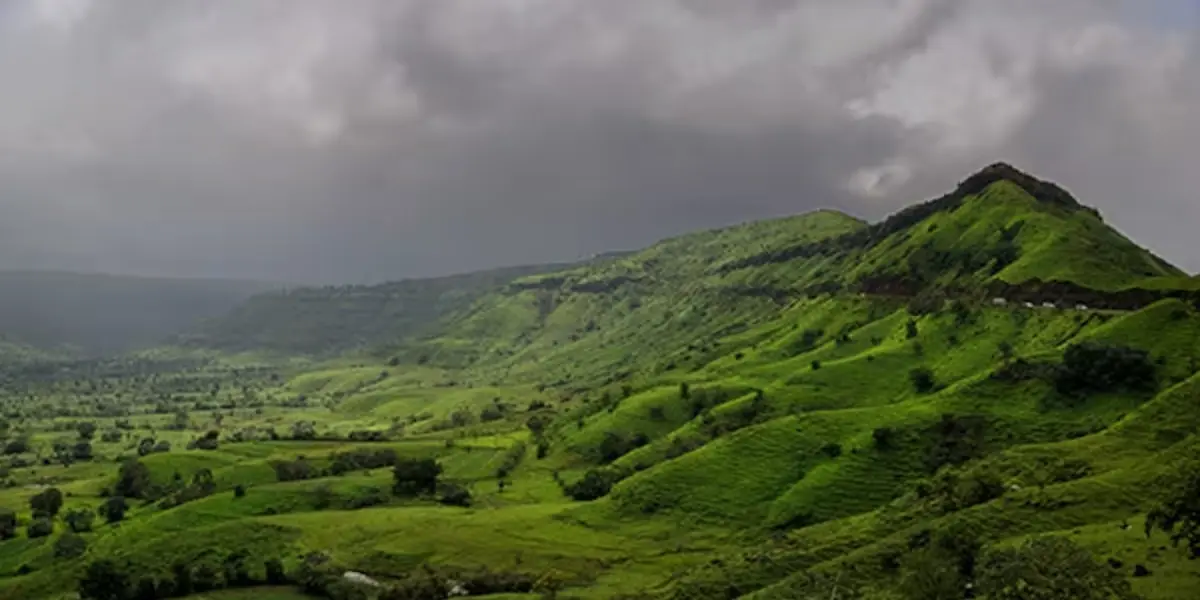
[(356, 140)]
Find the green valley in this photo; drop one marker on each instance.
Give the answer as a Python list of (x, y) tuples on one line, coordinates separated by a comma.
[(993, 395)]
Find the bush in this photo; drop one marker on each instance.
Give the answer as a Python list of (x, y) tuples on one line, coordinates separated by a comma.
[(104, 580), (816, 365), (69, 545), (922, 380), (8, 524), (415, 477), (832, 450), (453, 494), (39, 527), (293, 470), (884, 437), (133, 481), (239, 491), (114, 509), (1049, 567), (80, 519), (1099, 368), (955, 440), (47, 503), (596, 483)]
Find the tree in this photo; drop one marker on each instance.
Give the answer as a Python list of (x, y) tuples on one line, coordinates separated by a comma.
[(537, 425), (455, 495), (239, 491), (922, 380), (910, 329), (274, 571), (133, 481), (47, 503), (414, 477), (114, 509), (8, 524), (181, 421), (182, 574), (87, 430), (1179, 515), (79, 519), (69, 545), (685, 392), (145, 446), (39, 527), (63, 453), (82, 450), (19, 445), (940, 564), (1049, 568), (104, 580)]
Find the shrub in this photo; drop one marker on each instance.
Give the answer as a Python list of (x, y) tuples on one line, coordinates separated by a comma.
[(414, 477), (816, 365), (69, 545), (922, 380), (453, 494), (104, 580), (47, 503), (910, 329), (1091, 367), (39, 527), (596, 483), (79, 519), (1179, 514), (832, 449), (293, 470), (8, 524), (1049, 567), (884, 437), (239, 491), (955, 440), (133, 481), (114, 509)]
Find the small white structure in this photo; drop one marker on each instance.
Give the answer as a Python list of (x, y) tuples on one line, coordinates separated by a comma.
[(1049, 305), (457, 589), (999, 302), (1028, 305), (356, 577), (1081, 307)]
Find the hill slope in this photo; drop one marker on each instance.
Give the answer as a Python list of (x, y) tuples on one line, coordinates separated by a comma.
[(98, 314), (334, 319)]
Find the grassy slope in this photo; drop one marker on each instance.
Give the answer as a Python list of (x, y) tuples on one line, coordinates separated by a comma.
[(798, 488), (331, 319)]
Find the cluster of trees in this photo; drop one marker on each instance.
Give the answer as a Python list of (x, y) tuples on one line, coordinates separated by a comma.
[(950, 565), (1088, 368), (107, 579), (340, 462)]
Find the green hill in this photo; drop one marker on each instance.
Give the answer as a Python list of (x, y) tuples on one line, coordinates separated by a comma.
[(334, 319), (810, 407), (99, 314)]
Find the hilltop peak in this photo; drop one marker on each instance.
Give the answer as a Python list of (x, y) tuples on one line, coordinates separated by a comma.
[(1043, 191)]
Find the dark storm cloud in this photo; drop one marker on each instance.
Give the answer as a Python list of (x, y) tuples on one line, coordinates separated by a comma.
[(368, 139)]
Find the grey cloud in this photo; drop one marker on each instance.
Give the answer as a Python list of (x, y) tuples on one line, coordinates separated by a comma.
[(372, 139)]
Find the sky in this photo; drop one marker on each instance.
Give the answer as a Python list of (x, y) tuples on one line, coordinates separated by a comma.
[(361, 140)]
